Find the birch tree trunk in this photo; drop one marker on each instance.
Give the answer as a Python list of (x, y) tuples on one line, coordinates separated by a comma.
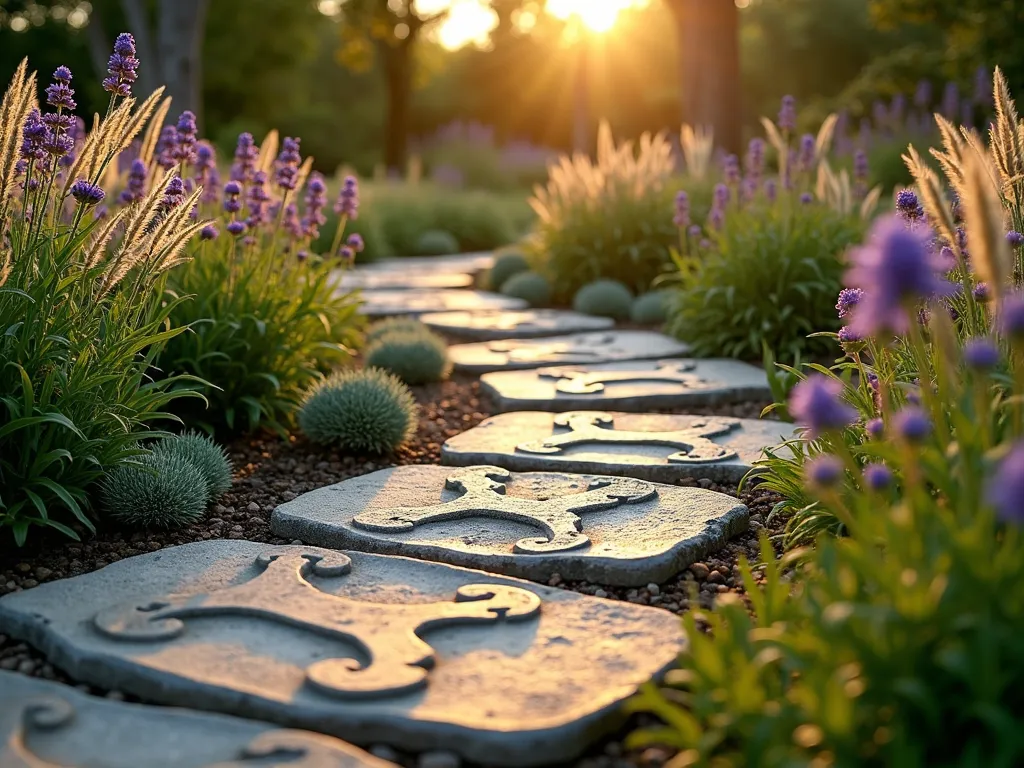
[(180, 25)]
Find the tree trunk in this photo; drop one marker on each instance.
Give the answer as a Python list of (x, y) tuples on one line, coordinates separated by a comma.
[(180, 26), (398, 71), (149, 62), (709, 61)]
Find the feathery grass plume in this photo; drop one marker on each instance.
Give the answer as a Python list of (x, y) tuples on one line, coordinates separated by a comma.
[(152, 134), (18, 101), (932, 198), (304, 171), (823, 141), (1006, 138), (268, 151), (97, 249), (836, 190), (950, 157), (983, 215), (698, 145)]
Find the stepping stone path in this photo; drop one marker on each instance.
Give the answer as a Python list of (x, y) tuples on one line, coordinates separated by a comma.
[(512, 324), (607, 530), (658, 447), (395, 280), (420, 301), (627, 386), (365, 647), (468, 263), (578, 348), (46, 725)]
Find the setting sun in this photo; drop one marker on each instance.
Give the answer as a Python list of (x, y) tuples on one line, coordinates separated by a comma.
[(596, 15)]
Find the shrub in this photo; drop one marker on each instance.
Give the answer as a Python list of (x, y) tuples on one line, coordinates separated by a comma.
[(164, 490), (394, 325), (770, 278), (83, 310), (650, 308), (368, 411), (532, 287), (416, 358), (436, 242), (605, 298), (209, 458), (505, 266)]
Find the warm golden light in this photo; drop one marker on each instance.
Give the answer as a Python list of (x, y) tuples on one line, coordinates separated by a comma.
[(596, 15)]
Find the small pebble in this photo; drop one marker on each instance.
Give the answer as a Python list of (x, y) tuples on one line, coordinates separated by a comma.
[(654, 589), (253, 507), (384, 752), (600, 593), (700, 570)]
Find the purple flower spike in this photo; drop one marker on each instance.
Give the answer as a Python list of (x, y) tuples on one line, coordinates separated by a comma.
[(174, 194), (815, 404), (908, 206), (912, 424), (695, 230), (87, 193), (731, 168), (787, 114), (860, 165), (923, 95), (848, 336), (721, 195), (981, 292), (246, 154), (61, 95), (808, 149), (347, 203), (347, 253), (316, 201), (981, 354), (209, 232), (136, 188), (875, 428), (355, 242), (232, 190), (184, 150), (755, 158), (1005, 491), (62, 75), (286, 167), (771, 190), (166, 147), (1010, 319), (122, 68), (806, 198), (236, 228), (1015, 239), (682, 216), (877, 477), (848, 299), (823, 471), (895, 269)]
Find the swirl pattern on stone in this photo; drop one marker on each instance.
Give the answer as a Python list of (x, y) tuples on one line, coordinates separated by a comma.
[(39, 715), (386, 635), (483, 495), (580, 382), (586, 348), (693, 443)]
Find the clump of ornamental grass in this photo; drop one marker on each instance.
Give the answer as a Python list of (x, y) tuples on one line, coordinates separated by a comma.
[(416, 357), (531, 287), (360, 411), (896, 643), (209, 458), (267, 318), (604, 298), (394, 325), (436, 242), (505, 266), (162, 490), (82, 293), (650, 308)]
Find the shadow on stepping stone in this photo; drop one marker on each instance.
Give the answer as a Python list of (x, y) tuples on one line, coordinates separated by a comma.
[(607, 530), (418, 301), (364, 647), (514, 324), (48, 725), (658, 447), (577, 348), (634, 386)]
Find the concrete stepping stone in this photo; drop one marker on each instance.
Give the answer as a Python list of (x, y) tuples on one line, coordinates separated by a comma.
[(402, 280), (469, 263), (418, 301), (606, 530), (637, 386), (515, 324), (659, 447), (574, 349), (48, 725), (368, 648)]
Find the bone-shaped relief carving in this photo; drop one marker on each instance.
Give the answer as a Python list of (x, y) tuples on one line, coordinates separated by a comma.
[(693, 442), (573, 381), (395, 659), (483, 495), (584, 349)]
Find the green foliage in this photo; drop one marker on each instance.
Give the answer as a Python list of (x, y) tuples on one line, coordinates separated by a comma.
[(604, 298), (263, 326), (416, 357), (436, 242), (771, 279), (532, 287), (365, 411), (650, 308), (163, 490), (209, 458), (505, 266), (394, 325)]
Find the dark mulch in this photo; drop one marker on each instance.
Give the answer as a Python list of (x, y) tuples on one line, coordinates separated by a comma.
[(271, 470)]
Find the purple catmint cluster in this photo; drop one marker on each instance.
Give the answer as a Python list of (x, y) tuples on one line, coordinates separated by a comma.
[(290, 221), (256, 200), (816, 405), (33, 137), (1005, 491), (861, 171), (122, 68), (60, 94), (682, 210), (316, 201), (207, 176), (174, 194), (286, 167), (848, 299), (232, 191), (1015, 239), (755, 160), (355, 242), (136, 187), (184, 150), (719, 202), (166, 147), (823, 471), (731, 170), (807, 154), (87, 193), (347, 204), (907, 205), (787, 114), (246, 155)]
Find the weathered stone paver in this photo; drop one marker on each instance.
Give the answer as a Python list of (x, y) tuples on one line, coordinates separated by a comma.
[(515, 324), (468, 263), (48, 725), (402, 280), (417, 301), (368, 648), (636, 386), (658, 447), (574, 349), (609, 530)]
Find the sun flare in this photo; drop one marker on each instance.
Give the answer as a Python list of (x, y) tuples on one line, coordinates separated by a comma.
[(596, 15)]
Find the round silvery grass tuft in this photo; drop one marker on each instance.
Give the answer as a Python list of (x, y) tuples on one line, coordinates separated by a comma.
[(531, 287), (650, 308), (437, 242), (209, 458), (165, 490), (605, 298), (505, 266), (415, 358), (393, 325), (364, 411)]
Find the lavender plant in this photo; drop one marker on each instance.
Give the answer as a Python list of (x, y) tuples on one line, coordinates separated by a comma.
[(82, 303)]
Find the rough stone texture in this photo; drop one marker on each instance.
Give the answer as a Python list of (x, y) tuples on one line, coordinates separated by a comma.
[(658, 447), (606, 530), (574, 349), (418, 301), (513, 673), (468, 263), (403, 279), (48, 725), (638, 386), (522, 324)]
